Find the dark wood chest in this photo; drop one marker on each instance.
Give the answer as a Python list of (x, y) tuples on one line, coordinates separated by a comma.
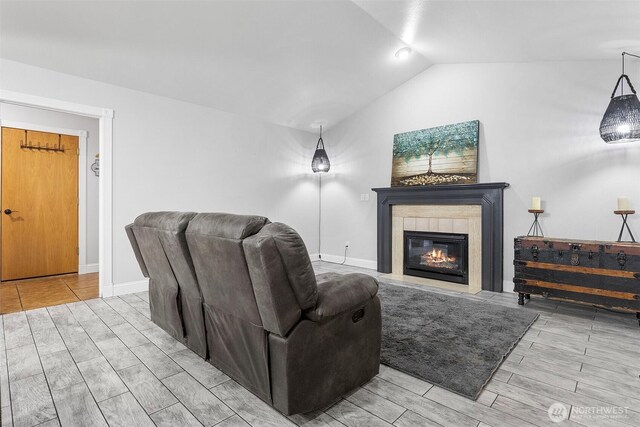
[(600, 273)]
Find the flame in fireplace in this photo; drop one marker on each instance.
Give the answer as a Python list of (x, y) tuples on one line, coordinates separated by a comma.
[(439, 258)]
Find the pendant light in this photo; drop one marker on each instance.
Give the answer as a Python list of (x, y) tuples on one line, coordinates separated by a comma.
[(621, 121), (320, 162)]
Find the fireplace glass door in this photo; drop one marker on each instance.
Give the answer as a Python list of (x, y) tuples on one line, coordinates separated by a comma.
[(440, 256)]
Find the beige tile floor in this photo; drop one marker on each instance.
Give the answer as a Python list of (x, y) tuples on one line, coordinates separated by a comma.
[(40, 292)]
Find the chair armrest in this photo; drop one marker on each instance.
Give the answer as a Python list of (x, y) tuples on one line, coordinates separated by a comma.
[(338, 294)]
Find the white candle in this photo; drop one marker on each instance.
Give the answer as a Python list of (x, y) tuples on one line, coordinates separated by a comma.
[(623, 204), (535, 204)]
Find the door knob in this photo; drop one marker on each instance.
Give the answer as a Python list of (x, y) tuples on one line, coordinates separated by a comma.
[(8, 211)]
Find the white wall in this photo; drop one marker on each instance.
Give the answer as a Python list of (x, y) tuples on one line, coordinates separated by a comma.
[(36, 116), (171, 155), (539, 132)]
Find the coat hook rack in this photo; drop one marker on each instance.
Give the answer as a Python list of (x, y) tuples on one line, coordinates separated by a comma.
[(29, 145)]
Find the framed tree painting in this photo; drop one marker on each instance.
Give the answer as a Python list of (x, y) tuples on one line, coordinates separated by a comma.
[(435, 156)]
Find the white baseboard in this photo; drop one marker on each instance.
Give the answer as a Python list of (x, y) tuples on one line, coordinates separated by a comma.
[(130, 287), (88, 268), (355, 262)]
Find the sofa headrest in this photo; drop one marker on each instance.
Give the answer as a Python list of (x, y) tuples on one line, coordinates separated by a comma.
[(226, 226), (295, 259), (168, 221)]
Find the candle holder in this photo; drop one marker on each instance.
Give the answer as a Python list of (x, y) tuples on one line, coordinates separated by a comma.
[(624, 214), (535, 230)]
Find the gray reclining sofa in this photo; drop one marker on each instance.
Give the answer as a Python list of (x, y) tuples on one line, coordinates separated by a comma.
[(241, 292)]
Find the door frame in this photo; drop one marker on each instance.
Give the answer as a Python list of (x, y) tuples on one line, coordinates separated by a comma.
[(83, 267), (105, 215)]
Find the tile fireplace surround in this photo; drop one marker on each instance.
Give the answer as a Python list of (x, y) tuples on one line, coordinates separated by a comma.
[(440, 219), (477, 208)]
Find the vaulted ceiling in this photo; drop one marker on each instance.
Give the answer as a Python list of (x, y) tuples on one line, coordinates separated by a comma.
[(297, 63)]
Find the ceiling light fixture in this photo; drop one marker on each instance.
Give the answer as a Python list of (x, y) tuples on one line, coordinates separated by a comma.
[(621, 121), (320, 162), (403, 53)]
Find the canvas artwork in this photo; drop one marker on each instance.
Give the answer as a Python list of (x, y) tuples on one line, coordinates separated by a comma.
[(441, 155)]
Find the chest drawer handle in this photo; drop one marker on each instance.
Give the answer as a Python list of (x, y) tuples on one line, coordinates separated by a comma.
[(575, 259), (622, 259), (535, 251)]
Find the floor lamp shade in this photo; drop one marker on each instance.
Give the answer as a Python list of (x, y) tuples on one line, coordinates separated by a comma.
[(320, 162), (621, 121)]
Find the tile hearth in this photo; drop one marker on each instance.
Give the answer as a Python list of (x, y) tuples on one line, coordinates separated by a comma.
[(103, 362)]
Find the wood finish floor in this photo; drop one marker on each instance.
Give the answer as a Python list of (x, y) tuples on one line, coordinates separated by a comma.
[(103, 362), (28, 294)]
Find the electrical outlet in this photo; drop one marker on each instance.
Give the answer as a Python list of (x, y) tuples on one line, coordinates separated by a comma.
[(346, 245)]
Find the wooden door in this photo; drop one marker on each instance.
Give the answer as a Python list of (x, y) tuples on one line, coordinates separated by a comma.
[(39, 204)]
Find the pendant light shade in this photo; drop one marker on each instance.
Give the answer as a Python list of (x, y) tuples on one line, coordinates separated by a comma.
[(320, 162), (621, 121)]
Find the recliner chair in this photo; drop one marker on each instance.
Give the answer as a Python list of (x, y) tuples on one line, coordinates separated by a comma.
[(160, 247)]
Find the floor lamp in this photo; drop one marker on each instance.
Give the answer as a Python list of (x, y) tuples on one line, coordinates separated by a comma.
[(320, 164)]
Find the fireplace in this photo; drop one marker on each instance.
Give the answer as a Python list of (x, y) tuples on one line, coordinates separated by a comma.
[(440, 256), (431, 208)]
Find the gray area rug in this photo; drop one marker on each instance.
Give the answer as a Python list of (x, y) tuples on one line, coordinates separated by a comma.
[(453, 342)]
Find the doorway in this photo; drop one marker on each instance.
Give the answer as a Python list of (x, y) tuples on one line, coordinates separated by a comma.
[(105, 117), (39, 227)]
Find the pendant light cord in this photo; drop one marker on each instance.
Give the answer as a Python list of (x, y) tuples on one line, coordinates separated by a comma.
[(320, 140), (622, 86), (623, 54), (320, 225), (320, 214)]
